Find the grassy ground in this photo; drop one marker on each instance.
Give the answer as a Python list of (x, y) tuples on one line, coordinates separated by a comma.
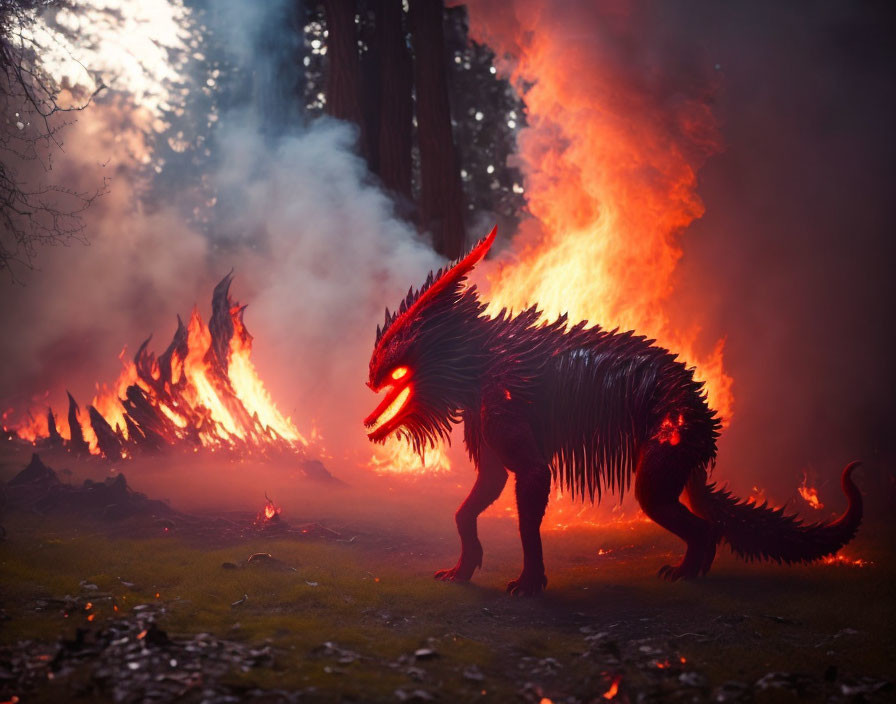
[(381, 605), (361, 619)]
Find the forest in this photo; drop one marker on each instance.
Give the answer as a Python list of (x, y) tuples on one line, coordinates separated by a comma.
[(205, 207)]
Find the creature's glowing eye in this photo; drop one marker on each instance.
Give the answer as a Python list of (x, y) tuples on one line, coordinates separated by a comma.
[(399, 373)]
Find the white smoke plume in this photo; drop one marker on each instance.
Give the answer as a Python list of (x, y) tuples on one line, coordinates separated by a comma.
[(318, 257)]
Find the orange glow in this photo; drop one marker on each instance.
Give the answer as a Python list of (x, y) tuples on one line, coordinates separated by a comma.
[(840, 559), (810, 494), (399, 373), (397, 457), (614, 688), (757, 496)]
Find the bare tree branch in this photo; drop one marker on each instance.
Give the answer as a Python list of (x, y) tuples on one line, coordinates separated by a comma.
[(33, 213)]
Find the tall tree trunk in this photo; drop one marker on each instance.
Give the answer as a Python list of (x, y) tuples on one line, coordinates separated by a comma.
[(396, 105), (371, 81), (441, 201), (344, 72)]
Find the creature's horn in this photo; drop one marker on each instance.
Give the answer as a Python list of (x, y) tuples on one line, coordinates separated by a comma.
[(447, 279), (458, 272)]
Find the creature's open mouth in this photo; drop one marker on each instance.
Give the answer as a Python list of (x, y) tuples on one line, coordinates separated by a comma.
[(385, 418)]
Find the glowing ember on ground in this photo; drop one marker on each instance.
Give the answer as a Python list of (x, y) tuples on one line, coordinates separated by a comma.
[(202, 391), (846, 561), (614, 688), (810, 494)]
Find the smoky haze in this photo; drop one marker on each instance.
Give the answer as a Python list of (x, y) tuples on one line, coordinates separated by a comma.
[(792, 261), (789, 263)]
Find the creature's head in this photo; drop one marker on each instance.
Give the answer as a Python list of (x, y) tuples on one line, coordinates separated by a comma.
[(419, 359)]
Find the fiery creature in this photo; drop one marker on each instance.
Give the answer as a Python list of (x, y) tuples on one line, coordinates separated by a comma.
[(587, 407)]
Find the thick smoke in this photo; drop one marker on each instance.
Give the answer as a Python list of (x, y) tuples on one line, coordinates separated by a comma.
[(316, 249)]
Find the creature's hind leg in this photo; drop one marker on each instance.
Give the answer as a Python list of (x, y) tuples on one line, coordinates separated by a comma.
[(490, 480), (662, 472)]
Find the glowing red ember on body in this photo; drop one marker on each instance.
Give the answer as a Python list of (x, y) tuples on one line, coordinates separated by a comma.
[(668, 431)]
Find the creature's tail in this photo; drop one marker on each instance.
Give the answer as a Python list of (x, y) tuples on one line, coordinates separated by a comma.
[(760, 532)]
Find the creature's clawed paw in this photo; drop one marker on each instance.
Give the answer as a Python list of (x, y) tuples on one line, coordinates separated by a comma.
[(697, 560), (459, 573), (527, 585)]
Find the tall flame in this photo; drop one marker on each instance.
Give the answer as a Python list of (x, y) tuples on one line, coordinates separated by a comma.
[(611, 180), (197, 397)]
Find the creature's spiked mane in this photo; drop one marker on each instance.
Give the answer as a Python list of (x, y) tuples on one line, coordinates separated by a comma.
[(445, 279)]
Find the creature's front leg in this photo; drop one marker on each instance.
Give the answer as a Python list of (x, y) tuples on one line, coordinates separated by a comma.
[(490, 480), (507, 430)]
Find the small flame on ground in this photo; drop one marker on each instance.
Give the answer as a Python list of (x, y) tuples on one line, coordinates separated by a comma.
[(846, 561), (270, 512), (810, 494), (614, 688)]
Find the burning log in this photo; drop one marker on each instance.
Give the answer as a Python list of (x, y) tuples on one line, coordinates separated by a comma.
[(54, 436), (220, 325), (203, 390), (177, 350), (77, 444), (106, 439), (154, 427)]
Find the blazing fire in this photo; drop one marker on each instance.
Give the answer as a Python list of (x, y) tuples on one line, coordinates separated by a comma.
[(612, 186), (202, 392)]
